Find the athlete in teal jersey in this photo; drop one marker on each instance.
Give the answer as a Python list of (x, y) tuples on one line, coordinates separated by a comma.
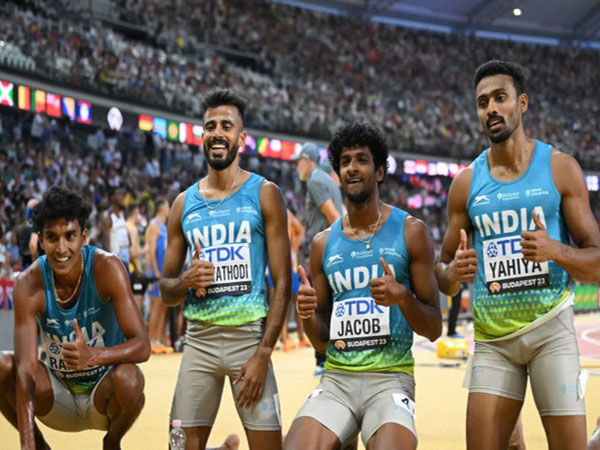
[(510, 291), (230, 223), (373, 285), (96, 319), (521, 200), (91, 329), (366, 337), (232, 238)]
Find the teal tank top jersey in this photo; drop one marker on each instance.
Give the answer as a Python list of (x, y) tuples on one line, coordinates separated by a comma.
[(366, 337), (96, 318), (510, 292), (231, 234)]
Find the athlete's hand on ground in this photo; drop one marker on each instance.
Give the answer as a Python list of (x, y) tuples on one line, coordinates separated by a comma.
[(464, 265), (386, 291), (76, 354), (306, 304), (252, 376), (200, 274), (538, 246)]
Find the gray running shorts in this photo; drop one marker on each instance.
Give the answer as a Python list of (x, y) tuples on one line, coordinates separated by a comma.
[(348, 402), (548, 354), (211, 353), (73, 412)]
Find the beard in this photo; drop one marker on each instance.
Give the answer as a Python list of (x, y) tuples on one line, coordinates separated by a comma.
[(218, 163), (358, 197), (500, 135)]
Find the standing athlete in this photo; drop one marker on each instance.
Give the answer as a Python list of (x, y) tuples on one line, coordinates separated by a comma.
[(231, 223), (373, 285), (156, 244), (523, 201), (91, 329)]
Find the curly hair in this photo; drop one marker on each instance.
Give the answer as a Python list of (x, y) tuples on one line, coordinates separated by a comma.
[(219, 97), (61, 203), (498, 67), (359, 134)]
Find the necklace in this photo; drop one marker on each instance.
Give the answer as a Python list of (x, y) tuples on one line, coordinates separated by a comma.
[(58, 299), (370, 238), (226, 193)]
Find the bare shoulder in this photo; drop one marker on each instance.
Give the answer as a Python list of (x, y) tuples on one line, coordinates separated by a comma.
[(271, 199), (416, 234), (566, 171), (268, 188), (320, 238), (108, 270)]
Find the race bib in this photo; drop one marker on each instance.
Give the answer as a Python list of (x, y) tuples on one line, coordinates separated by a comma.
[(233, 271), (507, 271), (359, 324)]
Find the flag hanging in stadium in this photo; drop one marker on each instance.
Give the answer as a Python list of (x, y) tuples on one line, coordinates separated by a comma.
[(7, 96), (38, 98), (53, 105), (68, 107), (24, 98), (145, 122), (173, 131)]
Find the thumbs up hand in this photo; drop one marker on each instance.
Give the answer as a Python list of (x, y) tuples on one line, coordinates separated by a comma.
[(464, 265), (386, 291), (538, 246), (200, 273), (76, 353), (306, 303)]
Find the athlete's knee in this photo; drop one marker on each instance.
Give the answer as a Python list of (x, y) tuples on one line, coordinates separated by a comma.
[(127, 380), (7, 367)]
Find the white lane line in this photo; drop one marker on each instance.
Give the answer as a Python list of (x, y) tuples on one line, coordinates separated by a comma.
[(590, 340)]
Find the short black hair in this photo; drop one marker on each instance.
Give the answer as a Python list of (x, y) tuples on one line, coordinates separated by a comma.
[(359, 134), (219, 97), (497, 67), (60, 203)]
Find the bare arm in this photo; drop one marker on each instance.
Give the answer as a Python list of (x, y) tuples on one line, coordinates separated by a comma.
[(456, 264), (28, 301), (316, 302), (134, 248), (422, 306), (253, 373), (297, 232), (329, 211), (278, 250), (152, 233), (33, 245), (105, 225), (113, 285), (582, 262), (174, 284)]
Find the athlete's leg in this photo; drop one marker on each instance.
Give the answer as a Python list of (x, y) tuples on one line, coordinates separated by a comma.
[(517, 440), (392, 436), (307, 432), (491, 420), (556, 383), (565, 432), (120, 396), (43, 393), (258, 440)]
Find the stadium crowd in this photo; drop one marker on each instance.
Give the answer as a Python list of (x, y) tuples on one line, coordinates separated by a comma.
[(37, 152), (415, 84)]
